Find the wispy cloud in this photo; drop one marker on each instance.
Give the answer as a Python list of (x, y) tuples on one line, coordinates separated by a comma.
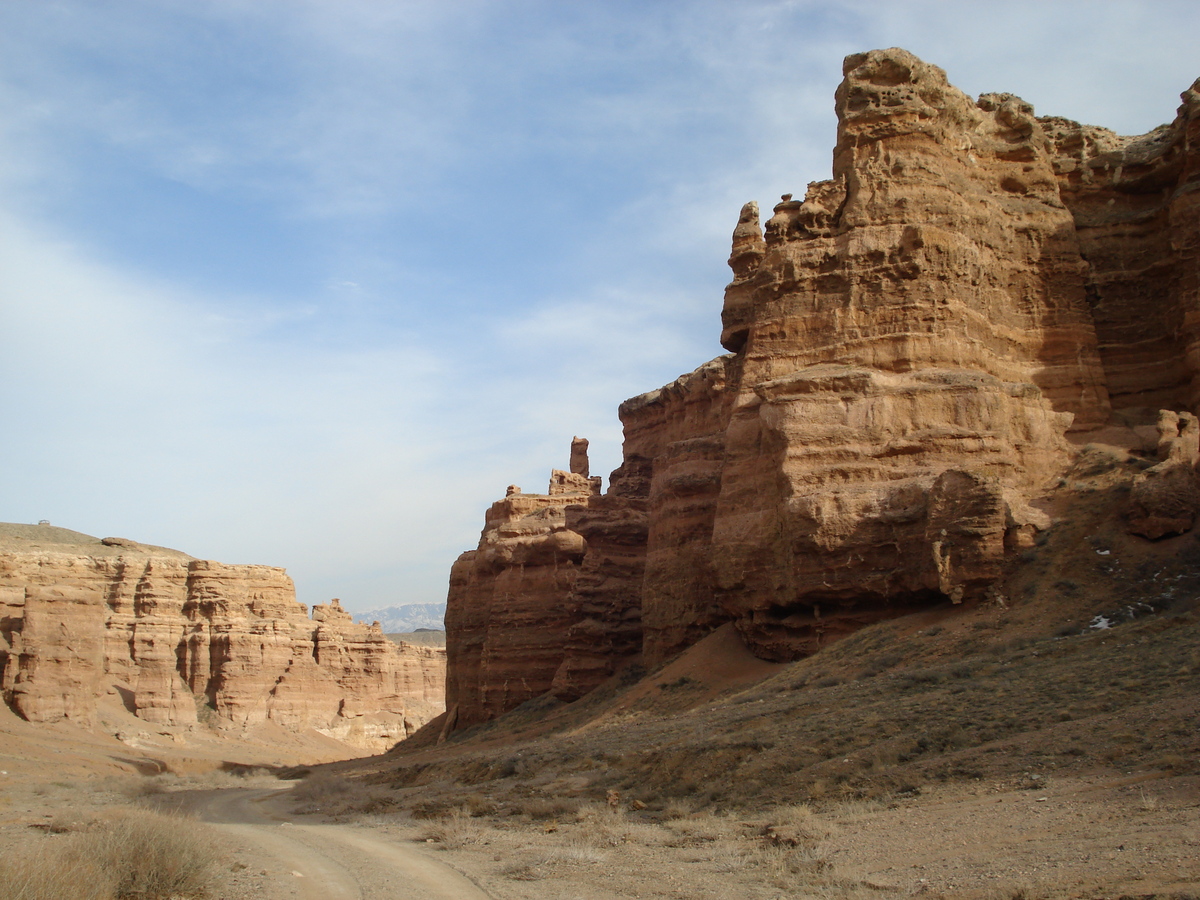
[(307, 283)]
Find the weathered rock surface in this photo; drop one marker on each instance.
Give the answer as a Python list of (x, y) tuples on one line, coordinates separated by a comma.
[(1165, 499), (505, 616), (916, 348), (176, 637)]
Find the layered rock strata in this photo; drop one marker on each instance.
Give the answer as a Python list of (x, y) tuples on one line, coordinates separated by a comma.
[(916, 347), (180, 639), (505, 614)]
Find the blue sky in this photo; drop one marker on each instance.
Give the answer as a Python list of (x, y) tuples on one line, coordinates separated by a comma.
[(308, 283)]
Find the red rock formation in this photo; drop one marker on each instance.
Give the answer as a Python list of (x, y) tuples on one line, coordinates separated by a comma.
[(604, 605), (505, 615), (1136, 212), (173, 634), (914, 346)]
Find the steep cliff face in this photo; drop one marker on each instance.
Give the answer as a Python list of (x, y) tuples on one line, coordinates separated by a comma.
[(916, 348), (174, 636), (915, 342), (506, 613), (1136, 209)]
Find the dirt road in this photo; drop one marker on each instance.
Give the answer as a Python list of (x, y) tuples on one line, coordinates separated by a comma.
[(324, 862)]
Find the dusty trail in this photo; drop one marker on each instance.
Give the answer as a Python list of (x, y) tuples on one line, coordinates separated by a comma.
[(330, 862)]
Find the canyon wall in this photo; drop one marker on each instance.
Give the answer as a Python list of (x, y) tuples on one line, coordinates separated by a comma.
[(179, 641), (506, 608), (916, 349)]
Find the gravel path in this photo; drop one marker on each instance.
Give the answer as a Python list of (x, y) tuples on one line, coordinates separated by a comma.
[(323, 862)]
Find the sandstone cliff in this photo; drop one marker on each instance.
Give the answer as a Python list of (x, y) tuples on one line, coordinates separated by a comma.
[(505, 608), (916, 349), (180, 640)]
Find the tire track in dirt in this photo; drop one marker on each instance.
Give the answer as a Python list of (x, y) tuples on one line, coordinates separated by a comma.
[(333, 862)]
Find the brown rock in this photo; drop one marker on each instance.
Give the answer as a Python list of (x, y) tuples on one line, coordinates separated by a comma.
[(911, 346), (604, 605), (506, 620), (579, 456), (172, 633), (1164, 499)]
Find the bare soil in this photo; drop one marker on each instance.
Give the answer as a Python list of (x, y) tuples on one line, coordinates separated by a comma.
[(1045, 744)]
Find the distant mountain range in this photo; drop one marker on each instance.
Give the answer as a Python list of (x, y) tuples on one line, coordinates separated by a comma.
[(409, 617)]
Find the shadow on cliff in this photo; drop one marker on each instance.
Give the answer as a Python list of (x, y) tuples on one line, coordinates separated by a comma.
[(1088, 660)]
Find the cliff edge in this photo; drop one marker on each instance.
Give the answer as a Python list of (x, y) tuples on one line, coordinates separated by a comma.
[(918, 350)]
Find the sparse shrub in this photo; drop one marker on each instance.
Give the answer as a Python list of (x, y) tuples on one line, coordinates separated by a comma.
[(51, 869), (136, 855), (542, 808), (477, 805), (454, 831), (523, 871), (678, 808), (683, 681), (206, 713), (700, 829), (1172, 761), (431, 809), (156, 856), (798, 824), (145, 786), (318, 791), (881, 664), (339, 796)]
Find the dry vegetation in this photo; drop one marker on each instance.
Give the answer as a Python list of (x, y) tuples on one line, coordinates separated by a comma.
[(131, 854), (1040, 746), (116, 837), (1087, 666)]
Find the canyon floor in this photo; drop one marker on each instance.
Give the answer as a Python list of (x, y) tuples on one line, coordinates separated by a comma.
[(1044, 745), (1100, 834)]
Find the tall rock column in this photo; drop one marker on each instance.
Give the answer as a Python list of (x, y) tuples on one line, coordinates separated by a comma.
[(506, 615), (914, 341)]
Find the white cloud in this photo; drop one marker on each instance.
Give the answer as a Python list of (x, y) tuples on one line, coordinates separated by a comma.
[(506, 219)]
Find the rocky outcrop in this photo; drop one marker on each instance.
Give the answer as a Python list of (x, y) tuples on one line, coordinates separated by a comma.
[(1165, 499), (181, 639), (916, 347), (506, 619)]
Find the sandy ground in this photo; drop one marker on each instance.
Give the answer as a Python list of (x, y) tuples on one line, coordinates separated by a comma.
[(285, 856), (1105, 835), (1101, 836)]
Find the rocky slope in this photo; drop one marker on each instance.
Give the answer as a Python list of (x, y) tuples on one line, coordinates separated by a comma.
[(184, 643), (918, 349)]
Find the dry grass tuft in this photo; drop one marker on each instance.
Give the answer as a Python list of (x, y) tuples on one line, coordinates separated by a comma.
[(48, 869), (337, 797), (134, 855), (455, 831)]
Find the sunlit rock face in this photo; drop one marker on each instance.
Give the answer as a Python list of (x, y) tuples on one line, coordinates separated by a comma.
[(507, 615), (915, 348), (175, 637)]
